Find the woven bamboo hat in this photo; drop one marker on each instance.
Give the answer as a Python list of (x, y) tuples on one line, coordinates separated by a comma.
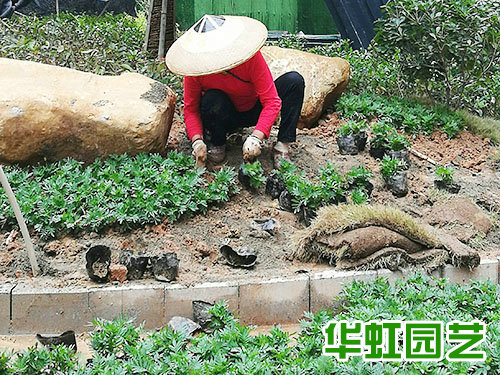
[(215, 44)]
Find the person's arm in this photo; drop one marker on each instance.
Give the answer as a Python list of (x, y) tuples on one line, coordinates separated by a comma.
[(266, 90), (192, 119)]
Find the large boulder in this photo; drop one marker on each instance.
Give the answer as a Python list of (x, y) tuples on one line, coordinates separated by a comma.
[(50, 113), (325, 78)]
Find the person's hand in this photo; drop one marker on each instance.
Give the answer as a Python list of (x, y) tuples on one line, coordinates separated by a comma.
[(200, 153), (251, 148)]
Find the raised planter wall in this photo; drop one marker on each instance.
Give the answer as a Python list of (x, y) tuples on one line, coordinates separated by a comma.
[(27, 310)]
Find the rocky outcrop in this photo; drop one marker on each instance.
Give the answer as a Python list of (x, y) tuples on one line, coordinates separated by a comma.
[(325, 78), (50, 113)]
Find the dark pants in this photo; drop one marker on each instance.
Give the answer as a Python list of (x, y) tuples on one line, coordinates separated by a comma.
[(219, 116)]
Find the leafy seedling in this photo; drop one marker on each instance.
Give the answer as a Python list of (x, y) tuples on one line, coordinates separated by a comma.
[(444, 179), (251, 175), (394, 174)]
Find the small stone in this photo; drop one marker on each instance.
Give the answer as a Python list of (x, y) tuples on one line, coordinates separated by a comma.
[(19, 274), (117, 272)]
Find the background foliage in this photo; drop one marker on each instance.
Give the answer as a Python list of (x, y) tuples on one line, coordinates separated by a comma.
[(448, 49)]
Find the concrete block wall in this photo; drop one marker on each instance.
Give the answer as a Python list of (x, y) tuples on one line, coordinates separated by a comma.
[(24, 310)]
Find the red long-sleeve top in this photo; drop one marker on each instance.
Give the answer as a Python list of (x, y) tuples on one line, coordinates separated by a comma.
[(243, 95)]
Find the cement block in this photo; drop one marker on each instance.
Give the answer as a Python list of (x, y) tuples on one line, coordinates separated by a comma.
[(392, 276), (146, 303), (5, 290), (49, 310), (178, 298), (106, 303), (328, 284), (487, 270), (274, 301)]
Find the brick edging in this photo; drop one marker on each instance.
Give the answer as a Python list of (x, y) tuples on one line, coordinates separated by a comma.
[(25, 310)]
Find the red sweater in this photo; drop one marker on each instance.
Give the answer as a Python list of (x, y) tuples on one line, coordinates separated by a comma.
[(243, 95)]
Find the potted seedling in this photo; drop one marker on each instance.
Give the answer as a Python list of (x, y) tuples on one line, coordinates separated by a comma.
[(399, 147), (333, 185), (395, 176), (444, 179), (359, 178), (275, 184), (351, 137), (379, 142), (251, 175), (306, 198)]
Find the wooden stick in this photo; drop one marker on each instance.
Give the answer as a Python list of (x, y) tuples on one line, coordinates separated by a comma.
[(20, 221), (57, 8), (163, 29), (424, 157), (105, 8)]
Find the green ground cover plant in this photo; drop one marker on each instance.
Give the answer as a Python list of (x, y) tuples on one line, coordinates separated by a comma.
[(122, 190), (351, 127), (255, 174), (330, 187), (408, 115), (231, 349)]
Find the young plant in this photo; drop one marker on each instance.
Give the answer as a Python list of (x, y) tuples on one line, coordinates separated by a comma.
[(398, 142), (389, 167), (351, 128), (358, 196), (381, 132), (254, 173), (359, 177), (445, 174)]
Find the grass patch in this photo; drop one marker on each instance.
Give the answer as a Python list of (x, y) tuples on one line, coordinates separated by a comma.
[(335, 219), (121, 348), (487, 127), (119, 191)]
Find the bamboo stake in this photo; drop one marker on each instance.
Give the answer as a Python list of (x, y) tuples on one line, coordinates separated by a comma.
[(20, 221), (424, 157)]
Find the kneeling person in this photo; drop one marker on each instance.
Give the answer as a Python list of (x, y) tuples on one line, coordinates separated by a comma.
[(228, 86)]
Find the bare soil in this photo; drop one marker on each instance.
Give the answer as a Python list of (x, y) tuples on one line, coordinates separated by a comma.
[(196, 240)]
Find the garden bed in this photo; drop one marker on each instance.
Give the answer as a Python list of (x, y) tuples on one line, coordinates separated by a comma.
[(196, 240)]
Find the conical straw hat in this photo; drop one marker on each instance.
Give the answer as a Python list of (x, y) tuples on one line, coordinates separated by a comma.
[(215, 44)]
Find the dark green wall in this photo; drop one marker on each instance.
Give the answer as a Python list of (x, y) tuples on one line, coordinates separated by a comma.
[(309, 16)]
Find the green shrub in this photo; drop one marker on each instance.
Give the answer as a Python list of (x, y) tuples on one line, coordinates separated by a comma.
[(255, 172), (122, 190), (110, 44), (358, 196), (398, 142), (449, 49), (35, 361), (113, 337)]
